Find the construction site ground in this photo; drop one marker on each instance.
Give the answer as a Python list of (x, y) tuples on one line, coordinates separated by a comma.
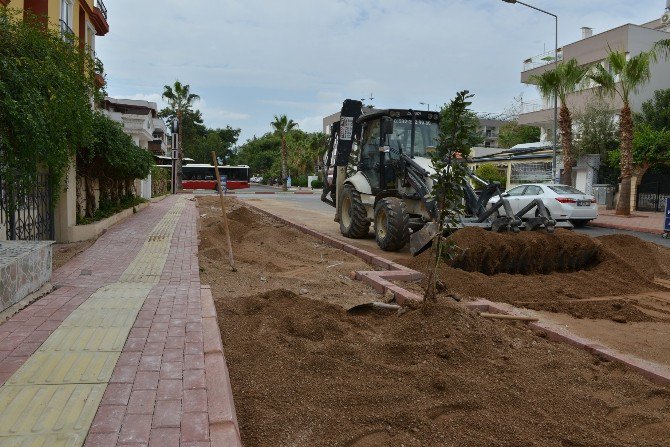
[(306, 373), (608, 307)]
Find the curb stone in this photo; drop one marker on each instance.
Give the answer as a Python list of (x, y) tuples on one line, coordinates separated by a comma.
[(223, 427)]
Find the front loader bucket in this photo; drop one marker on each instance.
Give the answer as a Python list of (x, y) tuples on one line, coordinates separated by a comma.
[(422, 240)]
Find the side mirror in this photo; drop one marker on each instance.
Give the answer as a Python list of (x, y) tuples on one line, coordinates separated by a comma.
[(387, 125), (505, 194)]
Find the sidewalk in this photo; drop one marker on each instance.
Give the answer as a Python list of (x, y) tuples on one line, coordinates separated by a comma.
[(116, 354), (643, 221)]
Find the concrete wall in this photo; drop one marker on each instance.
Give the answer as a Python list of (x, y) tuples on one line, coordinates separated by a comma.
[(25, 266)]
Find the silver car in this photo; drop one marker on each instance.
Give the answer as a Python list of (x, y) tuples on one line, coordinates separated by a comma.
[(563, 202)]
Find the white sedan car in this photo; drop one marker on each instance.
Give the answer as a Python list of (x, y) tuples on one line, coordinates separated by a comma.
[(563, 202)]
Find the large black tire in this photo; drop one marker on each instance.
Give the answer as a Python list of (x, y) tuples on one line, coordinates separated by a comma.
[(391, 224), (354, 218)]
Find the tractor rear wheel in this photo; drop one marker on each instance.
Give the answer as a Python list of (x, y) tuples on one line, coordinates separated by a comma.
[(391, 224), (354, 218)]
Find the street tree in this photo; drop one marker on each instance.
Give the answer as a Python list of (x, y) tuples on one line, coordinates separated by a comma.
[(180, 105), (458, 131), (282, 126), (596, 131), (560, 82), (513, 133), (624, 76)]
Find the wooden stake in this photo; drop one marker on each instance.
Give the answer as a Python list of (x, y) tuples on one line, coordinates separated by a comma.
[(224, 215), (507, 317)]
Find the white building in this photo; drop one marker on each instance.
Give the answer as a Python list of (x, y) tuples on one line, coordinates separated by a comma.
[(140, 120)]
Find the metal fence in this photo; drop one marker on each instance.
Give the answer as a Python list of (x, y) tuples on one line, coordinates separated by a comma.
[(26, 211)]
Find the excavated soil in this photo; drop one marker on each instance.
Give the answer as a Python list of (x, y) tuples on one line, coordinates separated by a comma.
[(305, 373), (62, 253), (550, 278)]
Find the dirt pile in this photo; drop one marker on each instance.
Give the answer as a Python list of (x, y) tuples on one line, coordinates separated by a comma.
[(305, 373), (621, 265), (532, 252), (270, 255)]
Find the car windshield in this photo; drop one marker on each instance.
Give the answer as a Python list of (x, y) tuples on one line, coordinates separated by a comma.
[(564, 189), (425, 135)]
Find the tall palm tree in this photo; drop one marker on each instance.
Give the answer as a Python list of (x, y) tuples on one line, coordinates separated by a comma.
[(180, 101), (562, 81), (282, 125), (625, 76)]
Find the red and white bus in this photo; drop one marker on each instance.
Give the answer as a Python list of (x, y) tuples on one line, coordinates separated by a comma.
[(201, 176)]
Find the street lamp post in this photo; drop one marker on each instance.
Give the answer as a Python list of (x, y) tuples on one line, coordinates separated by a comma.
[(425, 104), (553, 160)]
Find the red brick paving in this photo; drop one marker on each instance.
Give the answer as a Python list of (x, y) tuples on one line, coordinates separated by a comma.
[(645, 222), (158, 393)]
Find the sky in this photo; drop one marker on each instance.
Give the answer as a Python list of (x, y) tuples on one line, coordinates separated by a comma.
[(250, 60)]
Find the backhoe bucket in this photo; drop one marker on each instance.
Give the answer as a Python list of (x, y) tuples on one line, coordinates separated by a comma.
[(422, 240)]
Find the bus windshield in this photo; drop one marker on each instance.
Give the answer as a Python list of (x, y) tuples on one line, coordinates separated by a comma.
[(425, 135)]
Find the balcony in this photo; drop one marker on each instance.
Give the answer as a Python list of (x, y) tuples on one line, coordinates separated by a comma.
[(98, 17), (101, 6), (541, 60), (66, 32)]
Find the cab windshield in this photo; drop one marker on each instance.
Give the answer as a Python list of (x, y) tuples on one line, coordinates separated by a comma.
[(425, 135)]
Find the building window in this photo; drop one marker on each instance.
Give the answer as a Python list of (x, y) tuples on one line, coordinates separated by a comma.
[(66, 20), (66, 12), (90, 38)]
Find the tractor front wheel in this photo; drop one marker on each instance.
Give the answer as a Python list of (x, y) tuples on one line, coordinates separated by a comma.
[(354, 218), (391, 224)]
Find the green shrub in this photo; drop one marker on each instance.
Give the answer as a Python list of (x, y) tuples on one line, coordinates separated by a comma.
[(160, 181), (491, 173), (317, 184)]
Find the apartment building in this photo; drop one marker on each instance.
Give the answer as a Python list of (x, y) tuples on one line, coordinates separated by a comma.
[(140, 120), (591, 49), (79, 22), (80, 19)]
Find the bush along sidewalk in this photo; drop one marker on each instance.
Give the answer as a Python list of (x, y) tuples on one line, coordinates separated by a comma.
[(108, 209)]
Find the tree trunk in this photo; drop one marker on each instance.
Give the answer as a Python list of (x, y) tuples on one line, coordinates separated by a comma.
[(626, 162), (284, 169), (90, 196), (178, 164), (565, 124)]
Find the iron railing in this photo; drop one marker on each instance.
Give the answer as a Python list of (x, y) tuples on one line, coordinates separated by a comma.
[(66, 32), (101, 6), (26, 210)]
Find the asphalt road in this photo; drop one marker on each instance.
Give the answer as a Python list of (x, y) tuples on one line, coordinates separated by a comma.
[(313, 202)]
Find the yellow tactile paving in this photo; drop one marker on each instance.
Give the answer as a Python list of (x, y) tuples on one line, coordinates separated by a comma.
[(46, 368), (52, 399), (47, 410), (78, 339)]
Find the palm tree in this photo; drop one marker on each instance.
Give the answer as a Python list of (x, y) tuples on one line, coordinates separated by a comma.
[(180, 101), (562, 81), (626, 74), (282, 125)]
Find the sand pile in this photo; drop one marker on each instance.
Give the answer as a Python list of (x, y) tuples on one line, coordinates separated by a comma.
[(305, 373)]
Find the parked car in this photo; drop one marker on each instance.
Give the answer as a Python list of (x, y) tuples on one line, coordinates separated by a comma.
[(563, 202)]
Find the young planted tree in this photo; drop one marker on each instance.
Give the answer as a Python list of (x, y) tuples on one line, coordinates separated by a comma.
[(282, 126), (561, 82), (457, 133), (625, 76), (180, 105)]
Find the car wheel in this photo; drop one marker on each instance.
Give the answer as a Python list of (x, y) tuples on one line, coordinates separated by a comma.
[(580, 223), (391, 224), (353, 218)]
